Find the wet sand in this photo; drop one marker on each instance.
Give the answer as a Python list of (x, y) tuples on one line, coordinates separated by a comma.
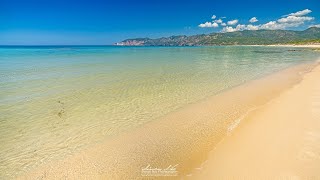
[(279, 141), (185, 138)]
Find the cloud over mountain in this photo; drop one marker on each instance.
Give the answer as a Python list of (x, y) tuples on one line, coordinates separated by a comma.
[(301, 13), (294, 19)]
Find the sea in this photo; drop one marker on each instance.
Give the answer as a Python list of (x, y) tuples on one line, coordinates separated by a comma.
[(58, 100)]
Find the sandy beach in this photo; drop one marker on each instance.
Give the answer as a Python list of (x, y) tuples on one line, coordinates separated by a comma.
[(290, 45), (297, 45), (279, 141), (274, 136), (125, 90)]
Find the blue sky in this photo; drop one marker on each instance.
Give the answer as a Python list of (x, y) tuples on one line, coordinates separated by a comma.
[(44, 22)]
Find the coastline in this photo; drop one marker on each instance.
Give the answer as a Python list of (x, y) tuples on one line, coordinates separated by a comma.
[(167, 141), (297, 45), (289, 45), (279, 141)]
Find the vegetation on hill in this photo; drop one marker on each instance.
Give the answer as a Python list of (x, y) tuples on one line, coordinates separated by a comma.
[(258, 37)]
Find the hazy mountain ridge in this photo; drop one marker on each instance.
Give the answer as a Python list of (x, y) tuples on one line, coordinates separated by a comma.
[(259, 37)]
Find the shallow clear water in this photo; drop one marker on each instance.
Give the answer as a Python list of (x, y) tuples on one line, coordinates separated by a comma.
[(57, 100)]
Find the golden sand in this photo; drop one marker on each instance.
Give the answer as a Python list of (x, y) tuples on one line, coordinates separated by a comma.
[(185, 138), (279, 141)]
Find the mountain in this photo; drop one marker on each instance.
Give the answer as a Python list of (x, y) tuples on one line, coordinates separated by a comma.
[(258, 37)]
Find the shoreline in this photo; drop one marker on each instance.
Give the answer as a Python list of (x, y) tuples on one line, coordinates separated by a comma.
[(297, 45), (288, 45), (279, 141), (167, 141)]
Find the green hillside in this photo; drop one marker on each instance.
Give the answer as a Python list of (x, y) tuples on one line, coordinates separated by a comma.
[(259, 37)]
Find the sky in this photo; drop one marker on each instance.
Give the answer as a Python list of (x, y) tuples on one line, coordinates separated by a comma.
[(98, 22)]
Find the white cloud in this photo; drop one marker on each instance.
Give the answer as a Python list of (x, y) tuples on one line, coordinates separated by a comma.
[(233, 22), (300, 13), (295, 19), (271, 25), (208, 25), (287, 22), (252, 27), (228, 29), (219, 21), (215, 25), (213, 16), (239, 27), (253, 20), (315, 25)]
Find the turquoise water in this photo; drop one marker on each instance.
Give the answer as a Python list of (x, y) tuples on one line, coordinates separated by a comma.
[(55, 101)]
